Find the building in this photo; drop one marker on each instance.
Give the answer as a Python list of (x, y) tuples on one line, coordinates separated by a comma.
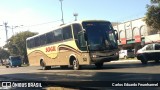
[(134, 34)]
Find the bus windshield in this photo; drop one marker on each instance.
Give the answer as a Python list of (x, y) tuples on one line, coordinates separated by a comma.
[(100, 36)]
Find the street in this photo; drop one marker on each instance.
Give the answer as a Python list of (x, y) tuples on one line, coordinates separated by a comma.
[(123, 70)]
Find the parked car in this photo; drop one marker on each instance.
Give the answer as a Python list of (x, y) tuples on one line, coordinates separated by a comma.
[(126, 53), (13, 61), (149, 52)]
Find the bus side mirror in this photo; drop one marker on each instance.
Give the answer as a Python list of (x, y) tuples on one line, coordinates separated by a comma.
[(116, 33), (85, 36), (82, 38)]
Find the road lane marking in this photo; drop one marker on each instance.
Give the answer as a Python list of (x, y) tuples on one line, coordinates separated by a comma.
[(66, 74)]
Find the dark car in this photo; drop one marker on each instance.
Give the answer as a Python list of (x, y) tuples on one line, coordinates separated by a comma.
[(14, 61), (149, 52)]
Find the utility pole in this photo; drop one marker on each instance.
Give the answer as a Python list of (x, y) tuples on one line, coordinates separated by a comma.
[(5, 26), (6, 29), (13, 27), (62, 11)]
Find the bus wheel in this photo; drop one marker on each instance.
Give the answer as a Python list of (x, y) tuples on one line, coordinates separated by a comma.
[(99, 65), (76, 65), (44, 67)]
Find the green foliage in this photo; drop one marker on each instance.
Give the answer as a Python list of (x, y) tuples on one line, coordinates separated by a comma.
[(17, 44), (4, 54), (155, 1), (153, 15)]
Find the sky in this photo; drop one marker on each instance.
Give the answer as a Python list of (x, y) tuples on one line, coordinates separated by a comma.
[(42, 15)]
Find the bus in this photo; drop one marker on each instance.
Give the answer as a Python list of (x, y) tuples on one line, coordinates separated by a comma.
[(75, 44)]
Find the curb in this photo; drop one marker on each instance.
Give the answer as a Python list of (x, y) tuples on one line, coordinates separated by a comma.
[(125, 61)]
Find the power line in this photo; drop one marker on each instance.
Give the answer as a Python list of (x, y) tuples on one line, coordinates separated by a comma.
[(42, 23)]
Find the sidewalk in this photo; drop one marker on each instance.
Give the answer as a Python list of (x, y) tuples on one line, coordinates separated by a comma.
[(127, 60), (2, 66)]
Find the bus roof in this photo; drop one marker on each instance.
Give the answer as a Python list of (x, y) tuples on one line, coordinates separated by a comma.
[(64, 25)]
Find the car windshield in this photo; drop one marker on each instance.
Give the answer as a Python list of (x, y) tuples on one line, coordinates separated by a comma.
[(100, 35)]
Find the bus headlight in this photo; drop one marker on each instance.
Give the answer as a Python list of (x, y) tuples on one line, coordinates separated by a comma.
[(94, 56), (117, 53)]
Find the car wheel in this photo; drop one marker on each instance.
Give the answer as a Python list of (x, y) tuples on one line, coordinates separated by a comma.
[(99, 65), (7, 66), (76, 65), (144, 61)]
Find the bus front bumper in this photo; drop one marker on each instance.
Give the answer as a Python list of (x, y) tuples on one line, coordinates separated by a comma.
[(105, 59)]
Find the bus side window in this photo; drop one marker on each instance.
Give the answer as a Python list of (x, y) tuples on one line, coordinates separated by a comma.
[(32, 43), (43, 39), (58, 35), (76, 28), (50, 37), (37, 41), (67, 33)]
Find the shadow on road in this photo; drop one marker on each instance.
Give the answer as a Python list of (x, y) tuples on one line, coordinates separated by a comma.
[(92, 80), (111, 66), (100, 80)]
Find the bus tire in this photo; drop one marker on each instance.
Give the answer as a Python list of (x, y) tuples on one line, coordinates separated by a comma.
[(44, 67), (99, 65), (76, 65)]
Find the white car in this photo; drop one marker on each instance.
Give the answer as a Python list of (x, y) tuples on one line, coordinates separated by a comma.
[(126, 53), (149, 52)]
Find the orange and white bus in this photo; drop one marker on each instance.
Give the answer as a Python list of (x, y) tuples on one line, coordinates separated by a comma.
[(79, 43)]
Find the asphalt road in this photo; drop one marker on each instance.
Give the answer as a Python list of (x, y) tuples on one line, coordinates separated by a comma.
[(123, 70)]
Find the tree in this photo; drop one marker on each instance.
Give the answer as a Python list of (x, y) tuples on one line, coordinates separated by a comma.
[(153, 16), (4, 54), (155, 1), (17, 44)]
